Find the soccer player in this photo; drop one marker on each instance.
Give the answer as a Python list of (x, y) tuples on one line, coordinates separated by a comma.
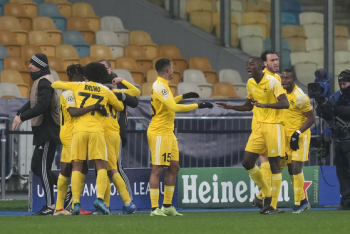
[(161, 138), (88, 132), (298, 120), (68, 112), (272, 65), (112, 136), (267, 138)]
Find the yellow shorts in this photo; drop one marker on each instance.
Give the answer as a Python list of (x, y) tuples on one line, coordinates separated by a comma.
[(66, 154), (163, 149), (267, 139), (88, 143), (113, 147), (302, 154)]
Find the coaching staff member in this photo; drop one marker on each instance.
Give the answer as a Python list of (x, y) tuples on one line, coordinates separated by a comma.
[(43, 111)]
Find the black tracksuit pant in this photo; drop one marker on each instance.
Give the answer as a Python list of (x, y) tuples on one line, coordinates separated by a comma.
[(42, 159), (342, 164)]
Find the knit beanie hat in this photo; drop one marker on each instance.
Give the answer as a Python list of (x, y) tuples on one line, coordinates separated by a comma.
[(344, 76), (39, 60)]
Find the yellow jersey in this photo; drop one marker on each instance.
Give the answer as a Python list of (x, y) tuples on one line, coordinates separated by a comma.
[(267, 91), (112, 125), (294, 117), (164, 107), (254, 121), (87, 94), (67, 122)]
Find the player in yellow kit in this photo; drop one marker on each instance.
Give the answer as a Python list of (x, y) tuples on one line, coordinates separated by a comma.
[(112, 136), (298, 120), (88, 133), (161, 138), (272, 65), (267, 137), (68, 112)]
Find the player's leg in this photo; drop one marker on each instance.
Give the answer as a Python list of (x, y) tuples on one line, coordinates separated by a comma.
[(62, 186), (266, 171), (76, 182), (156, 144)]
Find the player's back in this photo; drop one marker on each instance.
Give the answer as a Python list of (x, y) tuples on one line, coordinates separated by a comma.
[(162, 122), (67, 122), (87, 94)]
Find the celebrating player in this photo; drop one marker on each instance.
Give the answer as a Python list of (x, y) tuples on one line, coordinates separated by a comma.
[(161, 138), (267, 137), (272, 65), (68, 112), (298, 120), (112, 136), (88, 133)]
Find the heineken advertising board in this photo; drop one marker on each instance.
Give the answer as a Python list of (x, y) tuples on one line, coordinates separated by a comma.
[(232, 187)]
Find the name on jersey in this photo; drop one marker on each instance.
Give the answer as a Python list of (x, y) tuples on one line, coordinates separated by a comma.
[(92, 88)]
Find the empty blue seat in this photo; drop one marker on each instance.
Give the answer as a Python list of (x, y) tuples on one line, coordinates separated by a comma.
[(77, 40), (285, 52), (51, 10), (2, 3), (292, 7), (3, 54), (288, 19)]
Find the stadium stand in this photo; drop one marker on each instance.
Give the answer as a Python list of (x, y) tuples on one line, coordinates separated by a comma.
[(85, 60), (236, 10), (76, 39), (13, 76), (80, 24), (230, 76), (143, 39), (130, 64), (197, 77), (114, 24), (68, 54), (256, 18), (185, 87), (127, 76), (251, 39), (138, 53), (200, 14), (111, 40), (15, 63), (64, 6), (224, 89), (46, 24), (173, 53), (85, 10), (285, 52), (203, 64), (310, 18), (3, 55), (304, 65), (296, 37), (292, 7), (12, 24), (27, 51), (57, 65), (234, 26), (51, 10), (9, 90), (30, 7), (17, 10), (9, 40), (41, 39), (102, 52)]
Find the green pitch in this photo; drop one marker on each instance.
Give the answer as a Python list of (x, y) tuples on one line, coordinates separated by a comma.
[(192, 223)]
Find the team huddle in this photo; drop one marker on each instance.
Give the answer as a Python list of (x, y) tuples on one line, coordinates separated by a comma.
[(92, 111)]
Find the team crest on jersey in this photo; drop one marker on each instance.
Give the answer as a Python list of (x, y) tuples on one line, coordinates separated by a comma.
[(70, 99), (265, 89), (164, 92), (292, 102)]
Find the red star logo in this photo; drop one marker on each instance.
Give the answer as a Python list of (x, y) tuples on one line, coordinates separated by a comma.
[(307, 184)]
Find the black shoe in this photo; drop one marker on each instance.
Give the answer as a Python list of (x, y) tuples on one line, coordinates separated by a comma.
[(305, 204), (266, 204), (270, 211), (280, 211), (257, 202), (45, 211), (69, 198)]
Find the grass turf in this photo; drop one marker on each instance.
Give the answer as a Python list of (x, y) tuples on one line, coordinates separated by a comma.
[(193, 223), (14, 205)]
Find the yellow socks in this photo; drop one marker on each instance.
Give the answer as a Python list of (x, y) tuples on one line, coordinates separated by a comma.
[(298, 188), (168, 194), (82, 177), (276, 186), (154, 193), (62, 186), (107, 197), (119, 183), (101, 182), (76, 186), (266, 172), (258, 178), (283, 163)]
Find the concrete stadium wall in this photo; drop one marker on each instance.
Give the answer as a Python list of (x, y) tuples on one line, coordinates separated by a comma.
[(192, 41)]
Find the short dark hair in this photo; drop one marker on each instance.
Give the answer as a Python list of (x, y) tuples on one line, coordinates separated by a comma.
[(256, 60), (106, 61), (265, 53), (291, 71), (162, 64), (95, 72), (74, 69)]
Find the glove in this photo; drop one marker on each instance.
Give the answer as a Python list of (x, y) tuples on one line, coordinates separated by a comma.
[(294, 141), (190, 95), (101, 109), (205, 105)]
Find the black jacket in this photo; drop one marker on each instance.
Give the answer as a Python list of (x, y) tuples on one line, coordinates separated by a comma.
[(48, 129)]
